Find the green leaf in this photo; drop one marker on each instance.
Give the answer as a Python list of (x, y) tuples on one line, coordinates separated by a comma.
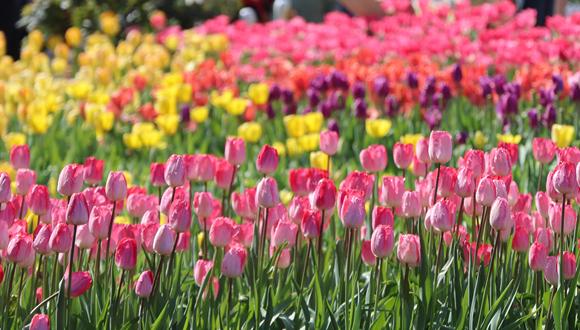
[(160, 322)]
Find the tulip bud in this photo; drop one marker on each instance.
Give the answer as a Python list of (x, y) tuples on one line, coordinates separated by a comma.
[(366, 253), (402, 155), (419, 168), (70, 179), (144, 285), (374, 158), (235, 151), (500, 216), (240, 204), (175, 171), (267, 160), (234, 262), (179, 217), (382, 241), (5, 188), (25, 179), (552, 270), (564, 179), (41, 241), (39, 200), (116, 187), (267, 193), (164, 240), (568, 265), (77, 212), (542, 203), (201, 269), (409, 250), (382, 216), (298, 181), (80, 283), (61, 238), (20, 156), (221, 231), (204, 168), (93, 170), (324, 196), (543, 150), (126, 254), (157, 174), (39, 322), (148, 232), (329, 142), (352, 211), (500, 161), (440, 147), (392, 191)]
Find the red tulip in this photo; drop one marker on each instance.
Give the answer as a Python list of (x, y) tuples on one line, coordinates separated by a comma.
[(409, 250), (175, 171), (126, 254), (324, 196), (234, 261), (144, 285), (267, 193), (521, 240), (382, 241), (80, 283), (70, 179), (543, 150), (235, 151), (93, 170), (164, 240), (374, 158), (1, 274), (440, 147), (382, 216), (39, 322), (77, 212), (157, 174), (25, 179), (267, 160), (329, 142), (20, 156), (402, 155), (310, 224), (221, 231), (298, 181), (537, 256)]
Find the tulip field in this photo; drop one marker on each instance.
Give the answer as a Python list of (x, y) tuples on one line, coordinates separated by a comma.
[(418, 171)]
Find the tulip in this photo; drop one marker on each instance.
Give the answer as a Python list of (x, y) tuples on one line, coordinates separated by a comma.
[(329, 142), (568, 265), (20, 157), (324, 196), (25, 179), (422, 150), (361, 181), (447, 179), (61, 238), (267, 160), (201, 269), (174, 173), (552, 270), (411, 206), (235, 151), (465, 184), (500, 162), (284, 258), (244, 234), (39, 322), (366, 253), (80, 283), (475, 161), (298, 181), (419, 168), (41, 240), (352, 211), (310, 224), (485, 193), (221, 232), (99, 221), (126, 254), (267, 193), (542, 203), (4, 235), (382, 216), (284, 233), (93, 170), (240, 204), (537, 256), (392, 191), (70, 179), (164, 240), (382, 241), (77, 212), (440, 147), (203, 204), (442, 215), (374, 158), (19, 249), (204, 168), (543, 150), (564, 179), (500, 216), (84, 240), (521, 240), (116, 187), (138, 204), (297, 208), (39, 200), (148, 232), (144, 285), (234, 262), (5, 188), (402, 155), (224, 174), (179, 217), (409, 250), (555, 217), (157, 174)]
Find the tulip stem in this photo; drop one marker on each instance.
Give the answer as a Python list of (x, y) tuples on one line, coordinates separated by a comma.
[(118, 299), (263, 240), (308, 249), (110, 231), (320, 237), (70, 260), (540, 177), (561, 277), (378, 284), (205, 238), (21, 208), (98, 261), (439, 251), (487, 280), (437, 182), (172, 255), (157, 277)]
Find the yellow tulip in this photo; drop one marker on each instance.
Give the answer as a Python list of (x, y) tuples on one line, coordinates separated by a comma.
[(199, 114), (236, 106), (8, 169), (258, 93), (221, 99), (123, 220), (509, 138), (280, 147), (562, 135), (184, 94), (36, 39), (319, 159), (314, 121), (109, 23), (479, 140), (250, 131), (132, 141), (39, 123), (411, 139), (73, 36), (309, 142), (168, 123), (293, 147), (14, 139), (378, 128), (58, 65), (295, 125), (200, 238), (285, 196)]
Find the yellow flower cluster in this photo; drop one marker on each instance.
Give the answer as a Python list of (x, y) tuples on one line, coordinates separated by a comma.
[(144, 135), (303, 133)]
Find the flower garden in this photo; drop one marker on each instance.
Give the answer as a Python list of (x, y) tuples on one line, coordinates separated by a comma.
[(417, 171)]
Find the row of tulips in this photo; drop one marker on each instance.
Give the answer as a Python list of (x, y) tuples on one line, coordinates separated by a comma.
[(470, 248)]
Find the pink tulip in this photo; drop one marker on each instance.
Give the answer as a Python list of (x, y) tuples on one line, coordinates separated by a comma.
[(179, 217), (419, 168), (485, 193), (442, 215), (392, 191), (475, 161), (70, 179), (297, 208), (552, 270), (201, 269), (500, 161), (164, 240), (203, 204), (148, 232), (564, 179), (465, 184), (241, 204), (545, 236), (374, 158), (422, 150), (555, 216), (366, 253), (41, 240), (235, 151), (144, 285), (521, 240), (77, 212), (221, 232), (310, 224), (324, 196), (99, 219), (382, 241), (20, 156), (80, 283), (61, 238), (267, 160), (440, 147), (284, 258), (569, 155), (244, 233), (357, 180), (409, 250), (298, 179), (411, 206), (568, 265), (25, 179), (93, 170), (157, 174), (234, 262), (402, 155), (382, 216), (224, 173), (284, 233), (84, 240), (537, 256), (542, 203), (500, 215), (116, 187), (329, 142), (543, 150), (204, 168), (39, 322), (5, 188), (19, 249), (352, 211), (39, 200), (447, 179), (267, 193), (174, 173), (126, 254)]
